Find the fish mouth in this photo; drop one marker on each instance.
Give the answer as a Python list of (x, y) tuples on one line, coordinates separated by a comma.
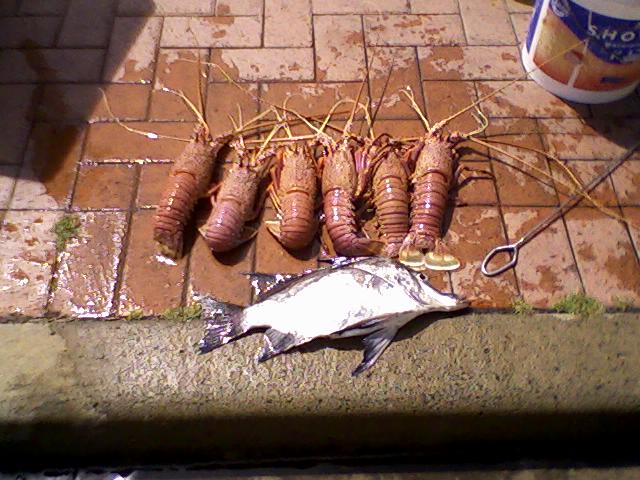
[(457, 303)]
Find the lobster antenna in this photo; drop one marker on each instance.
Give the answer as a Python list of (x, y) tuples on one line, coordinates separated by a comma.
[(272, 133), (144, 133), (200, 92), (384, 89), (442, 123), (347, 126), (409, 94), (284, 116), (571, 188), (198, 113)]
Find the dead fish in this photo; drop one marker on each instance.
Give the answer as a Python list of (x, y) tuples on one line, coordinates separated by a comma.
[(372, 297)]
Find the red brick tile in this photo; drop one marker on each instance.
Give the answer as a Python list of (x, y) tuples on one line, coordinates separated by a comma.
[(110, 142), (472, 233), (233, 7), (223, 99), (446, 98), (271, 257), (470, 63), (80, 103), (420, 30), (517, 183), (566, 125), (510, 126), (310, 99), (358, 6), (434, 6), (104, 186), (42, 7), (405, 73), (480, 187), (287, 23), (165, 7), (525, 99), (177, 74), (28, 252), (626, 179), (626, 107), (486, 22), (221, 275), (153, 178), (339, 48), (583, 147), (50, 65), (399, 128), (520, 6), (8, 175), (88, 267), (606, 259), (546, 269), (585, 171), (249, 64), (212, 32), (17, 104), (132, 49), (520, 22), (87, 23), (47, 176), (17, 32), (149, 284), (619, 131)]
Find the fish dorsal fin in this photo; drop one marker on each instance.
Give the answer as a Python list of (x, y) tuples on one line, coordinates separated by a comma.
[(265, 284), (377, 342)]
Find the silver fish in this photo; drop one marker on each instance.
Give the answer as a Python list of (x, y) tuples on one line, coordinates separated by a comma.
[(373, 297)]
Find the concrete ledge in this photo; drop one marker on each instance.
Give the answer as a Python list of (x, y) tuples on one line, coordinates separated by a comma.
[(79, 390)]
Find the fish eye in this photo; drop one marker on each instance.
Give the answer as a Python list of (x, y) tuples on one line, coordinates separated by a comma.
[(422, 276)]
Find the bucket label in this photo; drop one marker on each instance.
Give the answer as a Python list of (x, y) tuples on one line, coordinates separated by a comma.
[(613, 40), (608, 58)]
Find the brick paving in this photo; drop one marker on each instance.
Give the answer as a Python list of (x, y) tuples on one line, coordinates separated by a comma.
[(61, 151)]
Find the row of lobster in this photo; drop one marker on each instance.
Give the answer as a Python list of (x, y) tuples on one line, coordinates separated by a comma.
[(405, 181)]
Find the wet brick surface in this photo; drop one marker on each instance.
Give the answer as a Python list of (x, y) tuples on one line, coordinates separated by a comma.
[(64, 150)]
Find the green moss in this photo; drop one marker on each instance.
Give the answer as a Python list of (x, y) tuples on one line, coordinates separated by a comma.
[(183, 314), (622, 304), (521, 307), (134, 315), (580, 305), (65, 229)]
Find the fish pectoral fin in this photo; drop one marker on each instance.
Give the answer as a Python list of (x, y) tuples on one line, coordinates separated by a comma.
[(276, 342), (374, 345)]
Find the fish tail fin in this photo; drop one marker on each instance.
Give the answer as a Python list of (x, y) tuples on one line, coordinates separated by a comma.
[(276, 342), (223, 323)]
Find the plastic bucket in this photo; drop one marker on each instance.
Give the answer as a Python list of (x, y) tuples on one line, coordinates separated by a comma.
[(604, 67)]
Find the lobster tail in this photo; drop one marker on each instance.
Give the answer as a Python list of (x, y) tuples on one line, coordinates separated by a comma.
[(342, 227)]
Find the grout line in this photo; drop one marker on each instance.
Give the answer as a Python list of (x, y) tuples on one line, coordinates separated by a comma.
[(65, 210), (625, 225), (313, 43), (264, 10), (464, 28), (107, 47), (115, 304), (545, 147), (500, 206), (56, 38), (154, 80)]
